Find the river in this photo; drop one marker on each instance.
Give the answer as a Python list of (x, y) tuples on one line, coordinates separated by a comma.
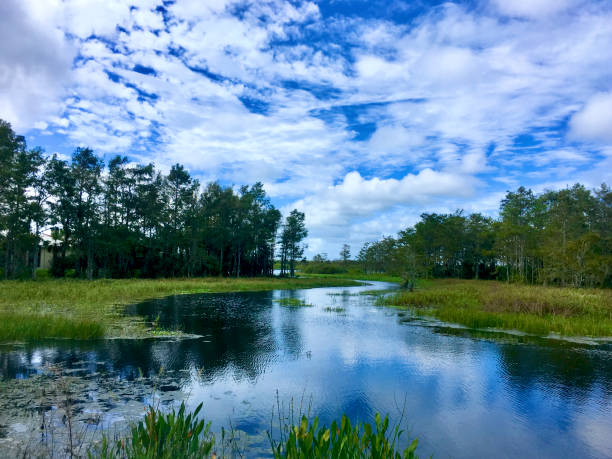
[(462, 393)]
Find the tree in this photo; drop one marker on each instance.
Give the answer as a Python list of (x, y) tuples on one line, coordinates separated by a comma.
[(293, 233), (19, 205), (345, 253)]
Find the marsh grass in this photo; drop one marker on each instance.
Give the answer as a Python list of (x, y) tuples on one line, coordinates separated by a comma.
[(358, 275), (531, 309), (81, 309), (293, 303), (334, 309)]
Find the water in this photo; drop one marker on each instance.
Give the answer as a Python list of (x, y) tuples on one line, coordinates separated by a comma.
[(463, 393)]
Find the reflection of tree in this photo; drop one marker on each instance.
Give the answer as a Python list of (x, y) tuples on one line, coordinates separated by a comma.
[(569, 371), (289, 325), (237, 331)]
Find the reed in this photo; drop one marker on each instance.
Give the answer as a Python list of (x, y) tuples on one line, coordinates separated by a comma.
[(533, 309)]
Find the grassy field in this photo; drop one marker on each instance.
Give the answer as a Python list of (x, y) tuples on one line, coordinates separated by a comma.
[(532, 309), (80, 309)]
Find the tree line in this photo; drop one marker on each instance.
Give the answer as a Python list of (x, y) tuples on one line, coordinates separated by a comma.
[(561, 237), (127, 220)]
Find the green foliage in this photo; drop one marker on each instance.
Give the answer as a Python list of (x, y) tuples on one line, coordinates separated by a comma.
[(344, 440), (324, 268), (163, 436), (532, 309), (131, 220), (293, 233), (559, 237), (179, 434)]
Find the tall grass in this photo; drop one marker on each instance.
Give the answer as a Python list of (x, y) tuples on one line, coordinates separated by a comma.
[(532, 309), (72, 308)]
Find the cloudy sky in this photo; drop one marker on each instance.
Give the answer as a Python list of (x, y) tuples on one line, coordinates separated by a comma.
[(363, 114)]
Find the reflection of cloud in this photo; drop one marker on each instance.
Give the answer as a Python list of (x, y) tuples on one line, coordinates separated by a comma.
[(594, 429)]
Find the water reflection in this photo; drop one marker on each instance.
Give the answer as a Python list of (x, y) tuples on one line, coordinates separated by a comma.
[(464, 393)]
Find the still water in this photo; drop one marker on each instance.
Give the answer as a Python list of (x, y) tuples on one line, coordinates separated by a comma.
[(463, 393)]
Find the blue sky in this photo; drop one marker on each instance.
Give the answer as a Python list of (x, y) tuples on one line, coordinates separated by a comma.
[(362, 114)]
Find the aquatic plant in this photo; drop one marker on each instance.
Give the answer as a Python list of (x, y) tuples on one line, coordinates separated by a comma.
[(162, 435), (343, 440), (293, 302), (334, 309)]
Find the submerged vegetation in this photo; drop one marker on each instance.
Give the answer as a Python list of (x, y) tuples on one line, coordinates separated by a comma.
[(531, 309), (72, 308)]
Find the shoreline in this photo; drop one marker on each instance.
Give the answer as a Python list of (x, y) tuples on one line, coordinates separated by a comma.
[(82, 309)]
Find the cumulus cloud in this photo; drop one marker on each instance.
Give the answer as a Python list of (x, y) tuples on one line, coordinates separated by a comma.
[(532, 8), (364, 122), (35, 64), (357, 197), (594, 121)]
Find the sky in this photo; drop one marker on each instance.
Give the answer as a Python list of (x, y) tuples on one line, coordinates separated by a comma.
[(362, 114)]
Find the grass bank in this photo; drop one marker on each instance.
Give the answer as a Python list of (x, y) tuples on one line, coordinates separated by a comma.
[(81, 309), (358, 275), (532, 309)]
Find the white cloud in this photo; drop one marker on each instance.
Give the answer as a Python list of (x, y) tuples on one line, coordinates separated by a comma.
[(444, 97), (35, 63), (594, 121), (356, 197), (532, 8)]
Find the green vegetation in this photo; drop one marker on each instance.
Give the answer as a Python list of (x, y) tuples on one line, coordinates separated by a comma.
[(334, 309), (323, 268), (72, 308), (163, 436), (178, 434), (532, 309), (557, 238), (131, 220), (344, 440), (360, 275), (293, 232), (293, 303)]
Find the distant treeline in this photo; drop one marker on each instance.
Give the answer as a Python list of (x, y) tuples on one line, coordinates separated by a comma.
[(130, 220), (558, 237)]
